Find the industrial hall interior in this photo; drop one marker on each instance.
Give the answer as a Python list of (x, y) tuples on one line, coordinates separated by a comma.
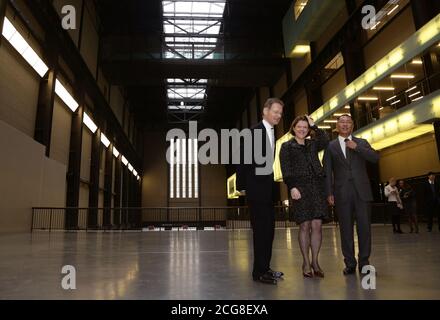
[(219, 149)]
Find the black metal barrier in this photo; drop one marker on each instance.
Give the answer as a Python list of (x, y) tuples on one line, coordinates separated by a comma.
[(167, 218)]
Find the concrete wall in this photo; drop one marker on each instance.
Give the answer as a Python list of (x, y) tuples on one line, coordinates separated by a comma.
[(334, 85), (59, 4), (155, 175), (213, 185), (19, 85), (389, 37), (29, 179), (419, 155), (60, 136)]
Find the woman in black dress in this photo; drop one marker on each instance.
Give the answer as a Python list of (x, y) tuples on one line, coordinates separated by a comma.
[(303, 173), (408, 197)]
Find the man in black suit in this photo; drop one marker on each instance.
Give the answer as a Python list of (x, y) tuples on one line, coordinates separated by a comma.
[(257, 181), (432, 200)]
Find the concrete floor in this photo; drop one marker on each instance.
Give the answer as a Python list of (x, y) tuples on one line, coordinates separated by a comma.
[(208, 265)]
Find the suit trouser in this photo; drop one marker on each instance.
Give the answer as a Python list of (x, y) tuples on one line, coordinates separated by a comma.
[(263, 225), (434, 209), (354, 209)]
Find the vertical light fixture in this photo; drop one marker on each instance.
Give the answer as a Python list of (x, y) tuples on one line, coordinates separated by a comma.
[(196, 170), (190, 165), (178, 168), (184, 168), (172, 168)]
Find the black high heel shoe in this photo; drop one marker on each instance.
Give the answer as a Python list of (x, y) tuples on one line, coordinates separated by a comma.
[(318, 272), (307, 274)]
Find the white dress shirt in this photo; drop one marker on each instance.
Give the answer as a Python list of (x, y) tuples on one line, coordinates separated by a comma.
[(393, 196), (343, 145), (271, 132)]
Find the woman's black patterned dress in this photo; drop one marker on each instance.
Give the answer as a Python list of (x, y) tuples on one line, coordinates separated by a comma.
[(302, 169)]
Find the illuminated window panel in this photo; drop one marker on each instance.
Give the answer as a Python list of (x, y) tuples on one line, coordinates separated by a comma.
[(187, 22), (23, 48), (178, 161), (196, 169), (187, 108), (193, 8), (190, 165), (184, 168), (64, 95), (89, 123), (104, 140), (336, 63), (299, 7), (172, 169), (186, 93)]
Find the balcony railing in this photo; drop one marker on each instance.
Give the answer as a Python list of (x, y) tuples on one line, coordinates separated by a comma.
[(166, 218)]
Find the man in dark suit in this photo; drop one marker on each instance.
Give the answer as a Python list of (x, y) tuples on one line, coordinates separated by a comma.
[(432, 200), (348, 189), (258, 183)]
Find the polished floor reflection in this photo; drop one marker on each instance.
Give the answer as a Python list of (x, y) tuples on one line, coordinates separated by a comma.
[(208, 265)]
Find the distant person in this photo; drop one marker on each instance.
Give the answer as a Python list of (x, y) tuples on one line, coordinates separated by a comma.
[(348, 189), (304, 176), (432, 201), (396, 205), (408, 197)]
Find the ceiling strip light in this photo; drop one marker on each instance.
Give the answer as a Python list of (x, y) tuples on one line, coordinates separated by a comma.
[(24, 49), (65, 96), (115, 152), (89, 123), (402, 76), (104, 140), (391, 98)]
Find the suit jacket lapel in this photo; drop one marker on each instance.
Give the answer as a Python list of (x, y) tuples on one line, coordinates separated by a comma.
[(340, 153)]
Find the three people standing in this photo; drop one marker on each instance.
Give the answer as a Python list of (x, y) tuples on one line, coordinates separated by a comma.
[(342, 182)]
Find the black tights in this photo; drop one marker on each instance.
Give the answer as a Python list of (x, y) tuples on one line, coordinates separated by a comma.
[(395, 219), (310, 239)]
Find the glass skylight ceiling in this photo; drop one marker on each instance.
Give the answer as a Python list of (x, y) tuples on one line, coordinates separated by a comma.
[(192, 28), (191, 31), (186, 95)]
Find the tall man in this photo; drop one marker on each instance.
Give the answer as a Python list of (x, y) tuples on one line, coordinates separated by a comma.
[(432, 200), (258, 185), (348, 189)]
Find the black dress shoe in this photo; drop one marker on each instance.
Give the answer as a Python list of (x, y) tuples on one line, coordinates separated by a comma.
[(349, 270), (276, 274), (265, 278)]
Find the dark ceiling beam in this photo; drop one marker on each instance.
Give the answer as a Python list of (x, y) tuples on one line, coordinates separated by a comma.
[(240, 73)]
